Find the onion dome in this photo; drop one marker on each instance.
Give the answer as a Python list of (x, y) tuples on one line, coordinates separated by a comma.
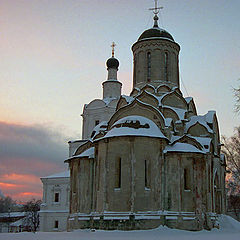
[(112, 63), (155, 32)]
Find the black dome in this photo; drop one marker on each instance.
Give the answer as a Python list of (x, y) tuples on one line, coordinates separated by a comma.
[(155, 32), (112, 63)]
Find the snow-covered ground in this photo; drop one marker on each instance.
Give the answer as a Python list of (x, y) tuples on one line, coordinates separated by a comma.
[(229, 230)]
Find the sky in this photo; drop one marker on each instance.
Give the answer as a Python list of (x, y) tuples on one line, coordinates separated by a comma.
[(53, 55)]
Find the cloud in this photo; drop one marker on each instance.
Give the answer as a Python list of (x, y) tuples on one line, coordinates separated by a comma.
[(28, 153)]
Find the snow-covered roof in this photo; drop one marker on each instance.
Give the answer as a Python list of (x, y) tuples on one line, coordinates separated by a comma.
[(198, 119), (99, 103), (179, 111), (168, 122), (135, 126), (89, 153), (18, 223), (108, 100), (182, 147), (99, 128), (65, 174), (204, 141), (12, 214), (209, 116), (188, 99), (129, 99)]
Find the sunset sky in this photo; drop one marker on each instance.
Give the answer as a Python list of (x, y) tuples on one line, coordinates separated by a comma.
[(53, 55)]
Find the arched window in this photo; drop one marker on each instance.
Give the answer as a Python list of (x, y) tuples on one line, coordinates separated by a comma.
[(147, 174), (118, 172), (187, 179), (166, 66), (148, 66)]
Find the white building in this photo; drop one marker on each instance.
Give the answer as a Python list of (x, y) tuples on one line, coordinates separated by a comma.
[(55, 206)]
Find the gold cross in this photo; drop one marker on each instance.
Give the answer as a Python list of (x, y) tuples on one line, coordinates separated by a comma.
[(113, 46), (156, 9)]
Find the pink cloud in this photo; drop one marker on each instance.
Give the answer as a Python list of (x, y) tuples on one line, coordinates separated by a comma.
[(28, 153)]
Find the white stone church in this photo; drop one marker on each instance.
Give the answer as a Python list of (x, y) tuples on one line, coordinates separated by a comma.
[(147, 159)]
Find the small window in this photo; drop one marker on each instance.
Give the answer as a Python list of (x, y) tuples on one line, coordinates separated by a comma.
[(56, 224), (166, 66), (96, 122), (147, 174), (56, 197), (148, 66), (118, 171), (187, 180), (134, 70)]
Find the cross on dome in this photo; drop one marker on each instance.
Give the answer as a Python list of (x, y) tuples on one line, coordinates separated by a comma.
[(156, 8), (113, 48), (156, 11)]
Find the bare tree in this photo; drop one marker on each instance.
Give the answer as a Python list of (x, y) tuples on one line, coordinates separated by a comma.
[(6, 203), (31, 209), (231, 150), (237, 97)]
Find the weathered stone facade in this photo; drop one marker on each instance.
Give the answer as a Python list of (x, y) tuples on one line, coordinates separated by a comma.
[(155, 162)]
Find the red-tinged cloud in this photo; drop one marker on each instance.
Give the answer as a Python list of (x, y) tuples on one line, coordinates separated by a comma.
[(28, 153)]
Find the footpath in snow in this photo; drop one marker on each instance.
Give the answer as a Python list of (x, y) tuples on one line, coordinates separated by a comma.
[(229, 230)]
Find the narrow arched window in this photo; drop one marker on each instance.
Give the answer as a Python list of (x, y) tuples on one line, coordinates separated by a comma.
[(118, 172), (147, 174), (134, 69), (166, 66), (148, 66), (187, 179)]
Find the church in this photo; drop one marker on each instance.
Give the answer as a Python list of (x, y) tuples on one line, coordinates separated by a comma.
[(147, 159)]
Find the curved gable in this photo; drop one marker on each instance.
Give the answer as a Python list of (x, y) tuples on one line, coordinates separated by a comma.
[(97, 103), (83, 148), (135, 92), (198, 130), (113, 103), (163, 89), (121, 103), (192, 107), (177, 90), (189, 140), (148, 98), (173, 99), (169, 113), (148, 88), (141, 109)]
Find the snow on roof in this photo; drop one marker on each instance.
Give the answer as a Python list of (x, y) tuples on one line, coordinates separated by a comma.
[(159, 98), (174, 138), (135, 126), (168, 122), (108, 100), (198, 119), (204, 141), (182, 147), (18, 223), (209, 116), (99, 128), (188, 99), (129, 99), (65, 174), (12, 214), (179, 111), (89, 153)]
